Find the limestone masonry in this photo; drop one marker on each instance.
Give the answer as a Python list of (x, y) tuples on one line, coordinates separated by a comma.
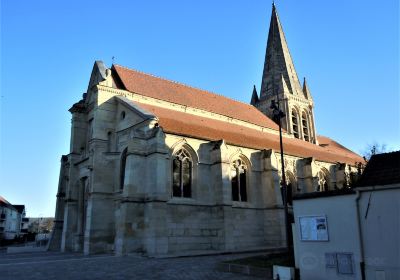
[(161, 168)]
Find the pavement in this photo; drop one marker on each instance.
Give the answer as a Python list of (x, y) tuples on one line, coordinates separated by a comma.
[(54, 265)]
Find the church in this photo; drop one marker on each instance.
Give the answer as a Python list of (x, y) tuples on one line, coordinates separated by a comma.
[(160, 168)]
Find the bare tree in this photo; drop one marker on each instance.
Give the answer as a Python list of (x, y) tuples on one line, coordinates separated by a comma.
[(373, 149)]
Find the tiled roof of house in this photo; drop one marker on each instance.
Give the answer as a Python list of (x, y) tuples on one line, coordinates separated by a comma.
[(148, 85), (382, 169), (3, 200), (190, 125), (5, 203)]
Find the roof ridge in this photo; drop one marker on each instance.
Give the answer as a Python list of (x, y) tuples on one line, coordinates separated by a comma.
[(182, 84), (324, 136)]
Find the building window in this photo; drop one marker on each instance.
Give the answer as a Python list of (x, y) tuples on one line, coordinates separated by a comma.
[(290, 192), (182, 166), (322, 182), (295, 121), (291, 186), (239, 180), (109, 141), (122, 169), (345, 264), (89, 135), (306, 133)]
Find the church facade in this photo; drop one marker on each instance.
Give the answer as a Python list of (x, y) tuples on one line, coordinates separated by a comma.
[(161, 168)]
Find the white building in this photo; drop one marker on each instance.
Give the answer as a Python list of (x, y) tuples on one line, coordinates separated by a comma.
[(355, 233), (22, 217), (10, 219)]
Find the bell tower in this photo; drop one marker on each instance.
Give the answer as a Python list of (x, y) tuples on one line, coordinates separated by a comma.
[(280, 81)]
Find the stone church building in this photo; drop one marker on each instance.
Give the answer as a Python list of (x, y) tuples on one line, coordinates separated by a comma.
[(162, 168)]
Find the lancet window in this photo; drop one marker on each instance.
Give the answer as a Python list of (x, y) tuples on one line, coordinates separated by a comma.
[(295, 122), (291, 186), (122, 169), (323, 185), (306, 132), (239, 180), (182, 174), (109, 141)]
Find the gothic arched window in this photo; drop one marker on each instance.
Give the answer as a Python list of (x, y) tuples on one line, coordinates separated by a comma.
[(182, 166), (323, 185), (295, 121), (122, 169), (304, 120), (239, 180), (292, 187), (109, 141)]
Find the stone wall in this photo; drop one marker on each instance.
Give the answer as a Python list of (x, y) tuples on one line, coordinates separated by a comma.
[(101, 213), (194, 228)]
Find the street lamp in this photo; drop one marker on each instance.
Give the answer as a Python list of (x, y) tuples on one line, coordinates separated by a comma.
[(277, 117)]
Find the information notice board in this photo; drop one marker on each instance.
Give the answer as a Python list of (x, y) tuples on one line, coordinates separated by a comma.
[(313, 228)]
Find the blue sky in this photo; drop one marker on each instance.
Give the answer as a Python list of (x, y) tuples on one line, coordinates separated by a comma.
[(347, 49)]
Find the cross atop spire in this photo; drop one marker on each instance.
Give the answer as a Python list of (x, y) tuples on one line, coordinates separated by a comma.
[(278, 61)]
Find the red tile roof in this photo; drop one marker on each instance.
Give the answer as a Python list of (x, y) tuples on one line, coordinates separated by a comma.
[(333, 146), (185, 124), (3, 200), (5, 203), (151, 86), (180, 123)]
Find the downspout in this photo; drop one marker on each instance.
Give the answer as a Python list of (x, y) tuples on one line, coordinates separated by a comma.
[(360, 236)]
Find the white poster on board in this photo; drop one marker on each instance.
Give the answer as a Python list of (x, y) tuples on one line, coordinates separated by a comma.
[(313, 228)]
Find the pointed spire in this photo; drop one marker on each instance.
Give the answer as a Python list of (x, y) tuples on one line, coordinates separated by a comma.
[(278, 61), (306, 90), (254, 97)]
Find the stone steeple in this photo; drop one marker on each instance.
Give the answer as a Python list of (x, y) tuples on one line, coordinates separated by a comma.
[(280, 80), (278, 61)]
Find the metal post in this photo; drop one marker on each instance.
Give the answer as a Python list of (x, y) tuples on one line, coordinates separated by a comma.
[(284, 186), (278, 117)]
